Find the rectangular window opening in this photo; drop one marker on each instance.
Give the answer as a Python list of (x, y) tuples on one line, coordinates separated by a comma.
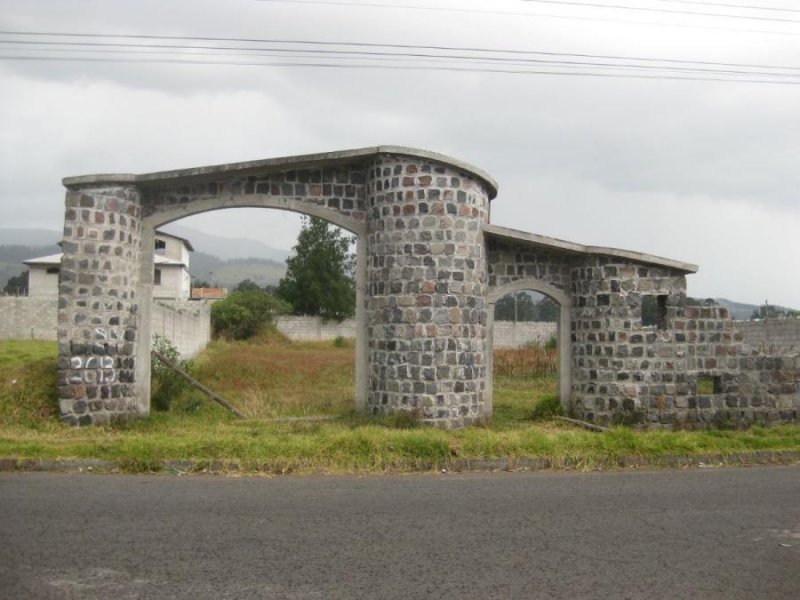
[(661, 312), (157, 277), (708, 385)]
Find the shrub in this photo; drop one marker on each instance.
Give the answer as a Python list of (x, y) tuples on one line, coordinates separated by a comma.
[(166, 384), (243, 314), (549, 406)]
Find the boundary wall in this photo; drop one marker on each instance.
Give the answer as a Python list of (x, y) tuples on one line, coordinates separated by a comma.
[(772, 335), (508, 334), (186, 324), (26, 318), (314, 329)]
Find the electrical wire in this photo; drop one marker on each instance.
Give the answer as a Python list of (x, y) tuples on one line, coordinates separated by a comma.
[(363, 55), (568, 17), (662, 10), (401, 67), (728, 5), (329, 44)]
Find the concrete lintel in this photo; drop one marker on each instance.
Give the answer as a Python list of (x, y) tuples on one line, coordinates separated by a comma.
[(320, 160), (574, 248)]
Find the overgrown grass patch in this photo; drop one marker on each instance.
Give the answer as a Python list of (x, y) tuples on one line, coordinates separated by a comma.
[(317, 378), (28, 382)]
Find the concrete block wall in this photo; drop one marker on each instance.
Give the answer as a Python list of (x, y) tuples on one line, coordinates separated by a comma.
[(187, 324), (26, 318), (508, 334), (772, 335), (314, 329)]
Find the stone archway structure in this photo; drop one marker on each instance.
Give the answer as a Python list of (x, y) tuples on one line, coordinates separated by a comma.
[(429, 268)]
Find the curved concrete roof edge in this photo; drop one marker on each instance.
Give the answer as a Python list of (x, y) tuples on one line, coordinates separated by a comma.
[(564, 246), (319, 159)]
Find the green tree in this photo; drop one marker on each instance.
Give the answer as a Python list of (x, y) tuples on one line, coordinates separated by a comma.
[(18, 284), (319, 274), (525, 310), (244, 313), (247, 285), (547, 310)]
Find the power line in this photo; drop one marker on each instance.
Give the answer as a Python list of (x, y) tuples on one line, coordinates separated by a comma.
[(405, 56), (388, 57), (662, 10), (398, 67), (101, 47), (593, 19), (380, 45), (728, 5)]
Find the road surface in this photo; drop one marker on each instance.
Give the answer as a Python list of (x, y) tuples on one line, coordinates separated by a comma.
[(698, 533)]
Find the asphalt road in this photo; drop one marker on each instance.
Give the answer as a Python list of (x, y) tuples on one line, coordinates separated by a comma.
[(701, 533)]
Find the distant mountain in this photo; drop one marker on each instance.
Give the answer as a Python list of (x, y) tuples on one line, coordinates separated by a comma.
[(227, 248), (29, 237), (742, 311), (738, 310), (229, 273), (11, 257)]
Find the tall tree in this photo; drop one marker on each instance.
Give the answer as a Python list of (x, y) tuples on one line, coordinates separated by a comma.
[(319, 275), (18, 284)]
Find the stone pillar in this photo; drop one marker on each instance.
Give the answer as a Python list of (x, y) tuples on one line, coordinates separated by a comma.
[(97, 305), (426, 291)]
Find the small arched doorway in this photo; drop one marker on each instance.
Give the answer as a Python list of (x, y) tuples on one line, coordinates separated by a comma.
[(562, 335)]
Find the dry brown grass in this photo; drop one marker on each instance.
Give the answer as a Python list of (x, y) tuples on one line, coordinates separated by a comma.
[(531, 361), (272, 377)]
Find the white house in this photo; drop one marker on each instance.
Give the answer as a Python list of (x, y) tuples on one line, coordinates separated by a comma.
[(43, 275), (171, 276)]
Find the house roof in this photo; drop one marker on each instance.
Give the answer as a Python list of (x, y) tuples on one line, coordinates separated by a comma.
[(186, 242), (203, 293), (55, 259), (51, 259)]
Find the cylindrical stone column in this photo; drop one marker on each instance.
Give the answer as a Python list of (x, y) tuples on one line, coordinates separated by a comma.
[(97, 304), (426, 290)]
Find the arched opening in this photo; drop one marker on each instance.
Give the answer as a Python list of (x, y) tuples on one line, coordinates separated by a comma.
[(151, 249), (562, 333)]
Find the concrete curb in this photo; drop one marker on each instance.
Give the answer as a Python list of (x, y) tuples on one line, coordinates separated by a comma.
[(179, 467)]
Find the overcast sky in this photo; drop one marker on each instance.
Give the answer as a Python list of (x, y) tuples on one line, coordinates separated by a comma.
[(706, 172)]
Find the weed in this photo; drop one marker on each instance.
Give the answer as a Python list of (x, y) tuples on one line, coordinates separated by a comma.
[(166, 384), (548, 406), (402, 419)]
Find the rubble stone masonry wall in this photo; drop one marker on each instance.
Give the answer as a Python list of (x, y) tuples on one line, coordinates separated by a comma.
[(426, 291), (97, 310)]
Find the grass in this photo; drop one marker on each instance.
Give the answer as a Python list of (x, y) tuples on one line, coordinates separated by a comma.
[(276, 378)]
